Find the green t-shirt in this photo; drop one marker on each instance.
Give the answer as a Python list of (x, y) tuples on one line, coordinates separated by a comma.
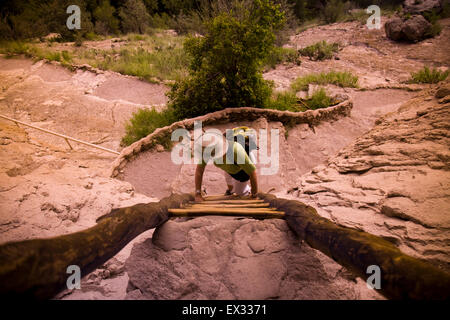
[(240, 162)]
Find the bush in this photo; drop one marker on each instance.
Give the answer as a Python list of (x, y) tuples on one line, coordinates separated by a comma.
[(320, 50), (427, 75), (134, 16), (192, 22), (226, 68), (301, 10), (333, 11), (162, 21), (144, 122), (342, 79), (174, 7), (105, 21)]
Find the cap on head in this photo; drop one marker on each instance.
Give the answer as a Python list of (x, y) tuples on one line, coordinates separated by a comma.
[(213, 144)]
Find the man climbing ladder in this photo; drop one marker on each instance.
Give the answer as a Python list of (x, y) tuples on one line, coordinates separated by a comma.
[(233, 156)]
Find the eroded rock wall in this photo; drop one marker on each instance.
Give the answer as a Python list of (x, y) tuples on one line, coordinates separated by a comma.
[(235, 258), (393, 181)]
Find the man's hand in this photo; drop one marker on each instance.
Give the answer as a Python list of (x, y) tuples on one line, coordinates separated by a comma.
[(199, 198)]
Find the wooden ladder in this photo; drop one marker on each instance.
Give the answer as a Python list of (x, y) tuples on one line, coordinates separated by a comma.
[(228, 206)]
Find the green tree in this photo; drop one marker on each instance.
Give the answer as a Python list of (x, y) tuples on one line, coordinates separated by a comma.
[(134, 16), (152, 6), (105, 21), (333, 10), (33, 18), (226, 67), (175, 7)]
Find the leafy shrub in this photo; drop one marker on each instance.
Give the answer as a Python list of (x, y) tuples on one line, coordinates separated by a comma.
[(144, 122), (342, 79), (227, 62), (320, 50), (427, 75)]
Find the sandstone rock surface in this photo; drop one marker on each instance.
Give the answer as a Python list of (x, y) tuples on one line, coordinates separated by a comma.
[(393, 181), (235, 258)]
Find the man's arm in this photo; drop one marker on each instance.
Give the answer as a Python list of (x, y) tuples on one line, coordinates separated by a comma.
[(254, 183), (198, 182)]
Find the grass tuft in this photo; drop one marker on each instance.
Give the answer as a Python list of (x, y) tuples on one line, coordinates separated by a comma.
[(284, 101), (321, 50), (280, 55), (152, 58), (342, 79), (287, 101), (143, 122), (319, 99), (427, 75)]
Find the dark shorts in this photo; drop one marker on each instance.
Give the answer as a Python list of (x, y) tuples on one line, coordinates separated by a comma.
[(241, 176)]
